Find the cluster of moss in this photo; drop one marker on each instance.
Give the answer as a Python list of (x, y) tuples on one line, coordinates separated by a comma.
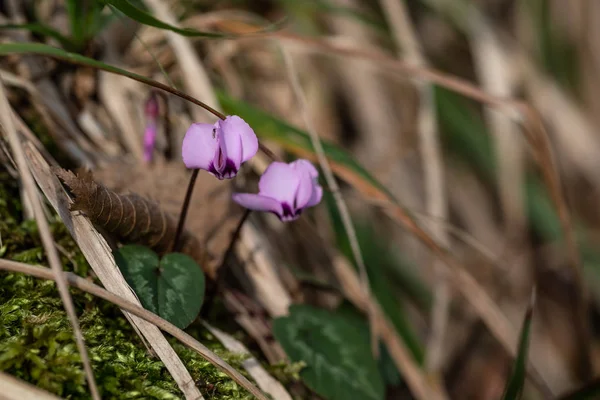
[(37, 343)]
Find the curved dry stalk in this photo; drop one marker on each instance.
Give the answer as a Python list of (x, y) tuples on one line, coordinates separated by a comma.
[(435, 197), (333, 186), (484, 305), (189, 341), (518, 110), (45, 234), (421, 387), (265, 381)]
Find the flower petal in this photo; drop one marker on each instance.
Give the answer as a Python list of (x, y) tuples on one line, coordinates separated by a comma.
[(305, 190), (305, 165), (257, 202), (309, 192), (280, 181), (233, 123), (316, 197), (199, 146), (230, 141)]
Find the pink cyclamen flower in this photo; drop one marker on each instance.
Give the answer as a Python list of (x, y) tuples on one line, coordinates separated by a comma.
[(285, 190), (221, 148)]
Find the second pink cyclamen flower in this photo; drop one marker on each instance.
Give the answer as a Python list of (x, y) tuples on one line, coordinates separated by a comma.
[(285, 190)]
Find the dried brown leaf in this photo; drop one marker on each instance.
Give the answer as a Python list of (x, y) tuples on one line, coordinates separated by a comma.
[(131, 218), (212, 216)]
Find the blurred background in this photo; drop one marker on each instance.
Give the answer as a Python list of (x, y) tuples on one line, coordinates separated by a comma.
[(463, 135)]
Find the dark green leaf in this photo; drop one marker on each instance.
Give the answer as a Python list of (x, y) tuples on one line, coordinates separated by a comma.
[(85, 19), (387, 367), (340, 365), (145, 18), (516, 381), (181, 289), (172, 287)]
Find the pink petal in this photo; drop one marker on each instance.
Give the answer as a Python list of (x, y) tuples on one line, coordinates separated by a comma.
[(316, 197), (199, 146), (257, 202), (305, 165), (280, 182), (149, 139), (230, 142), (233, 123), (309, 192), (305, 189)]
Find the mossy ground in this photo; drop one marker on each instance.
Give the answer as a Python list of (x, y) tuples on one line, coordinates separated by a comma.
[(37, 343)]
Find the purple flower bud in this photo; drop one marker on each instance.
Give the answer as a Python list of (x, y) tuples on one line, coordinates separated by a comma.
[(221, 148), (285, 190), (149, 140), (151, 113)]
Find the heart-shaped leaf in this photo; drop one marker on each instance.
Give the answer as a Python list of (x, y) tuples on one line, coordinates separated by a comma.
[(172, 287), (339, 362)]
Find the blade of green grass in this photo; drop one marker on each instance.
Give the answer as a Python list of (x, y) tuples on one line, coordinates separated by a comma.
[(74, 58), (141, 16), (74, 11), (319, 7), (43, 30), (516, 381), (137, 14)]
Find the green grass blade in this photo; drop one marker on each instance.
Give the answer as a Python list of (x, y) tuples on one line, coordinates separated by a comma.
[(516, 381), (43, 30), (75, 21), (73, 58), (145, 18)]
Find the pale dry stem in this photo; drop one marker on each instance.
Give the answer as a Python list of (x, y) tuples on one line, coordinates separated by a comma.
[(46, 236), (435, 197)]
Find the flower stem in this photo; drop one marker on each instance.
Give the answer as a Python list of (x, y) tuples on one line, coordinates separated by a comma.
[(184, 210), (220, 271)]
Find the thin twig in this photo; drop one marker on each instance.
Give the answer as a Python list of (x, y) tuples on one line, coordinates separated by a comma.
[(333, 186), (436, 203), (184, 209), (186, 339), (46, 236)]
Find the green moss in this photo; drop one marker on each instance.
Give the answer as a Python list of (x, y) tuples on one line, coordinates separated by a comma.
[(37, 344)]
